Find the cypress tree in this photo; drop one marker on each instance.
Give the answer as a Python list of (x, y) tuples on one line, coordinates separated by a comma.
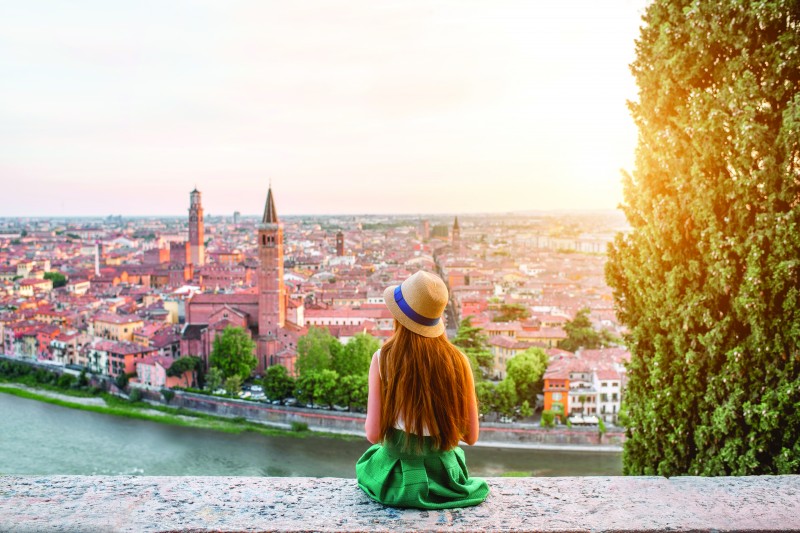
[(708, 280)]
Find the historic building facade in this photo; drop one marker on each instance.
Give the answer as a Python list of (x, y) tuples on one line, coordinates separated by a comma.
[(262, 314)]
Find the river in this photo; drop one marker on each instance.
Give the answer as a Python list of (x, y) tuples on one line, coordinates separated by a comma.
[(45, 439)]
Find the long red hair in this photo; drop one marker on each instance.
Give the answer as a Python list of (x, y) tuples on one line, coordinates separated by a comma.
[(428, 383)]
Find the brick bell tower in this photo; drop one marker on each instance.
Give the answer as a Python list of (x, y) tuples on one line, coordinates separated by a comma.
[(456, 236), (271, 290), (197, 252)]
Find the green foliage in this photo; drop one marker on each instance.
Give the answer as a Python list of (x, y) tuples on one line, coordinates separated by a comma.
[(525, 410), (214, 379), (354, 357), (601, 426), (708, 279), (316, 351), (299, 426), (233, 385), (487, 396), (135, 396), (233, 353), (352, 391), (168, 395), (317, 388), (581, 334), (277, 383), (58, 279), (512, 312), (187, 363), (548, 419), (527, 369), (506, 397), (474, 343), (66, 381), (122, 380)]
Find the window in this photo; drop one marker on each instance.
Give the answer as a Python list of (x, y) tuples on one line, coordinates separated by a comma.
[(556, 396), (604, 384)]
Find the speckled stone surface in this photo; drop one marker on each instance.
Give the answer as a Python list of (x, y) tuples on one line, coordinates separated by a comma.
[(125, 503)]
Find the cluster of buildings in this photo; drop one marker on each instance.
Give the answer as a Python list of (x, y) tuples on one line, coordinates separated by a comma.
[(586, 383), (140, 293)]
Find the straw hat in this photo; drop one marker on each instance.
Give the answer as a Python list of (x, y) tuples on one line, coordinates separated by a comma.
[(418, 303)]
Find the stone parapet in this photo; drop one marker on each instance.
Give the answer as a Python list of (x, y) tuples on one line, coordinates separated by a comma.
[(648, 504)]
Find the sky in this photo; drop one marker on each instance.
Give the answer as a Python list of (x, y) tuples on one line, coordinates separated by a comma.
[(348, 107)]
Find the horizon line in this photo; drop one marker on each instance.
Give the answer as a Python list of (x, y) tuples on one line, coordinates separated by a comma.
[(256, 215)]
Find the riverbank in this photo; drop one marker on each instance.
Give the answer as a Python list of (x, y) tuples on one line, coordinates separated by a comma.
[(236, 416), (37, 438), (112, 405)]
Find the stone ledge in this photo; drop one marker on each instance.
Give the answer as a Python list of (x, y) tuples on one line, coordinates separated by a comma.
[(127, 503)]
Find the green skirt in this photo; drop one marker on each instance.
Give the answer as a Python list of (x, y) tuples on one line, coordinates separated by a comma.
[(431, 479)]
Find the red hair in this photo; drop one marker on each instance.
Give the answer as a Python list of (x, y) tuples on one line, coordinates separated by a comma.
[(426, 382)]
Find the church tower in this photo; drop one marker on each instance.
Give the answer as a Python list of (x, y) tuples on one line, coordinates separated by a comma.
[(197, 252), (339, 244), (271, 290), (456, 235)]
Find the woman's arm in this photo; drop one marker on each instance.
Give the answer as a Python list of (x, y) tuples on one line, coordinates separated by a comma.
[(373, 424), (473, 428)]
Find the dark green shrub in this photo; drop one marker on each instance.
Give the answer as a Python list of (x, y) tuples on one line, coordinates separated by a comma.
[(65, 381), (122, 381), (135, 395), (168, 395), (299, 426)]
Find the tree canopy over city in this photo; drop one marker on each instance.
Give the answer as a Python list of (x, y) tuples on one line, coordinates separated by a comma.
[(58, 279), (516, 393), (474, 343), (233, 353), (581, 334), (328, 372), (708, 280)]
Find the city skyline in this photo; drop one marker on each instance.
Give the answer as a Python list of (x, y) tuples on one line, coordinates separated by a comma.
[(390, 109)]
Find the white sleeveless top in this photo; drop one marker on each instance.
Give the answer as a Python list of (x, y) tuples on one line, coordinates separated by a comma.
[(399, 424)]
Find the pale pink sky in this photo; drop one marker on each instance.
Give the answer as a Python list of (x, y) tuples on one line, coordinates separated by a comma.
[(348, 107)]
